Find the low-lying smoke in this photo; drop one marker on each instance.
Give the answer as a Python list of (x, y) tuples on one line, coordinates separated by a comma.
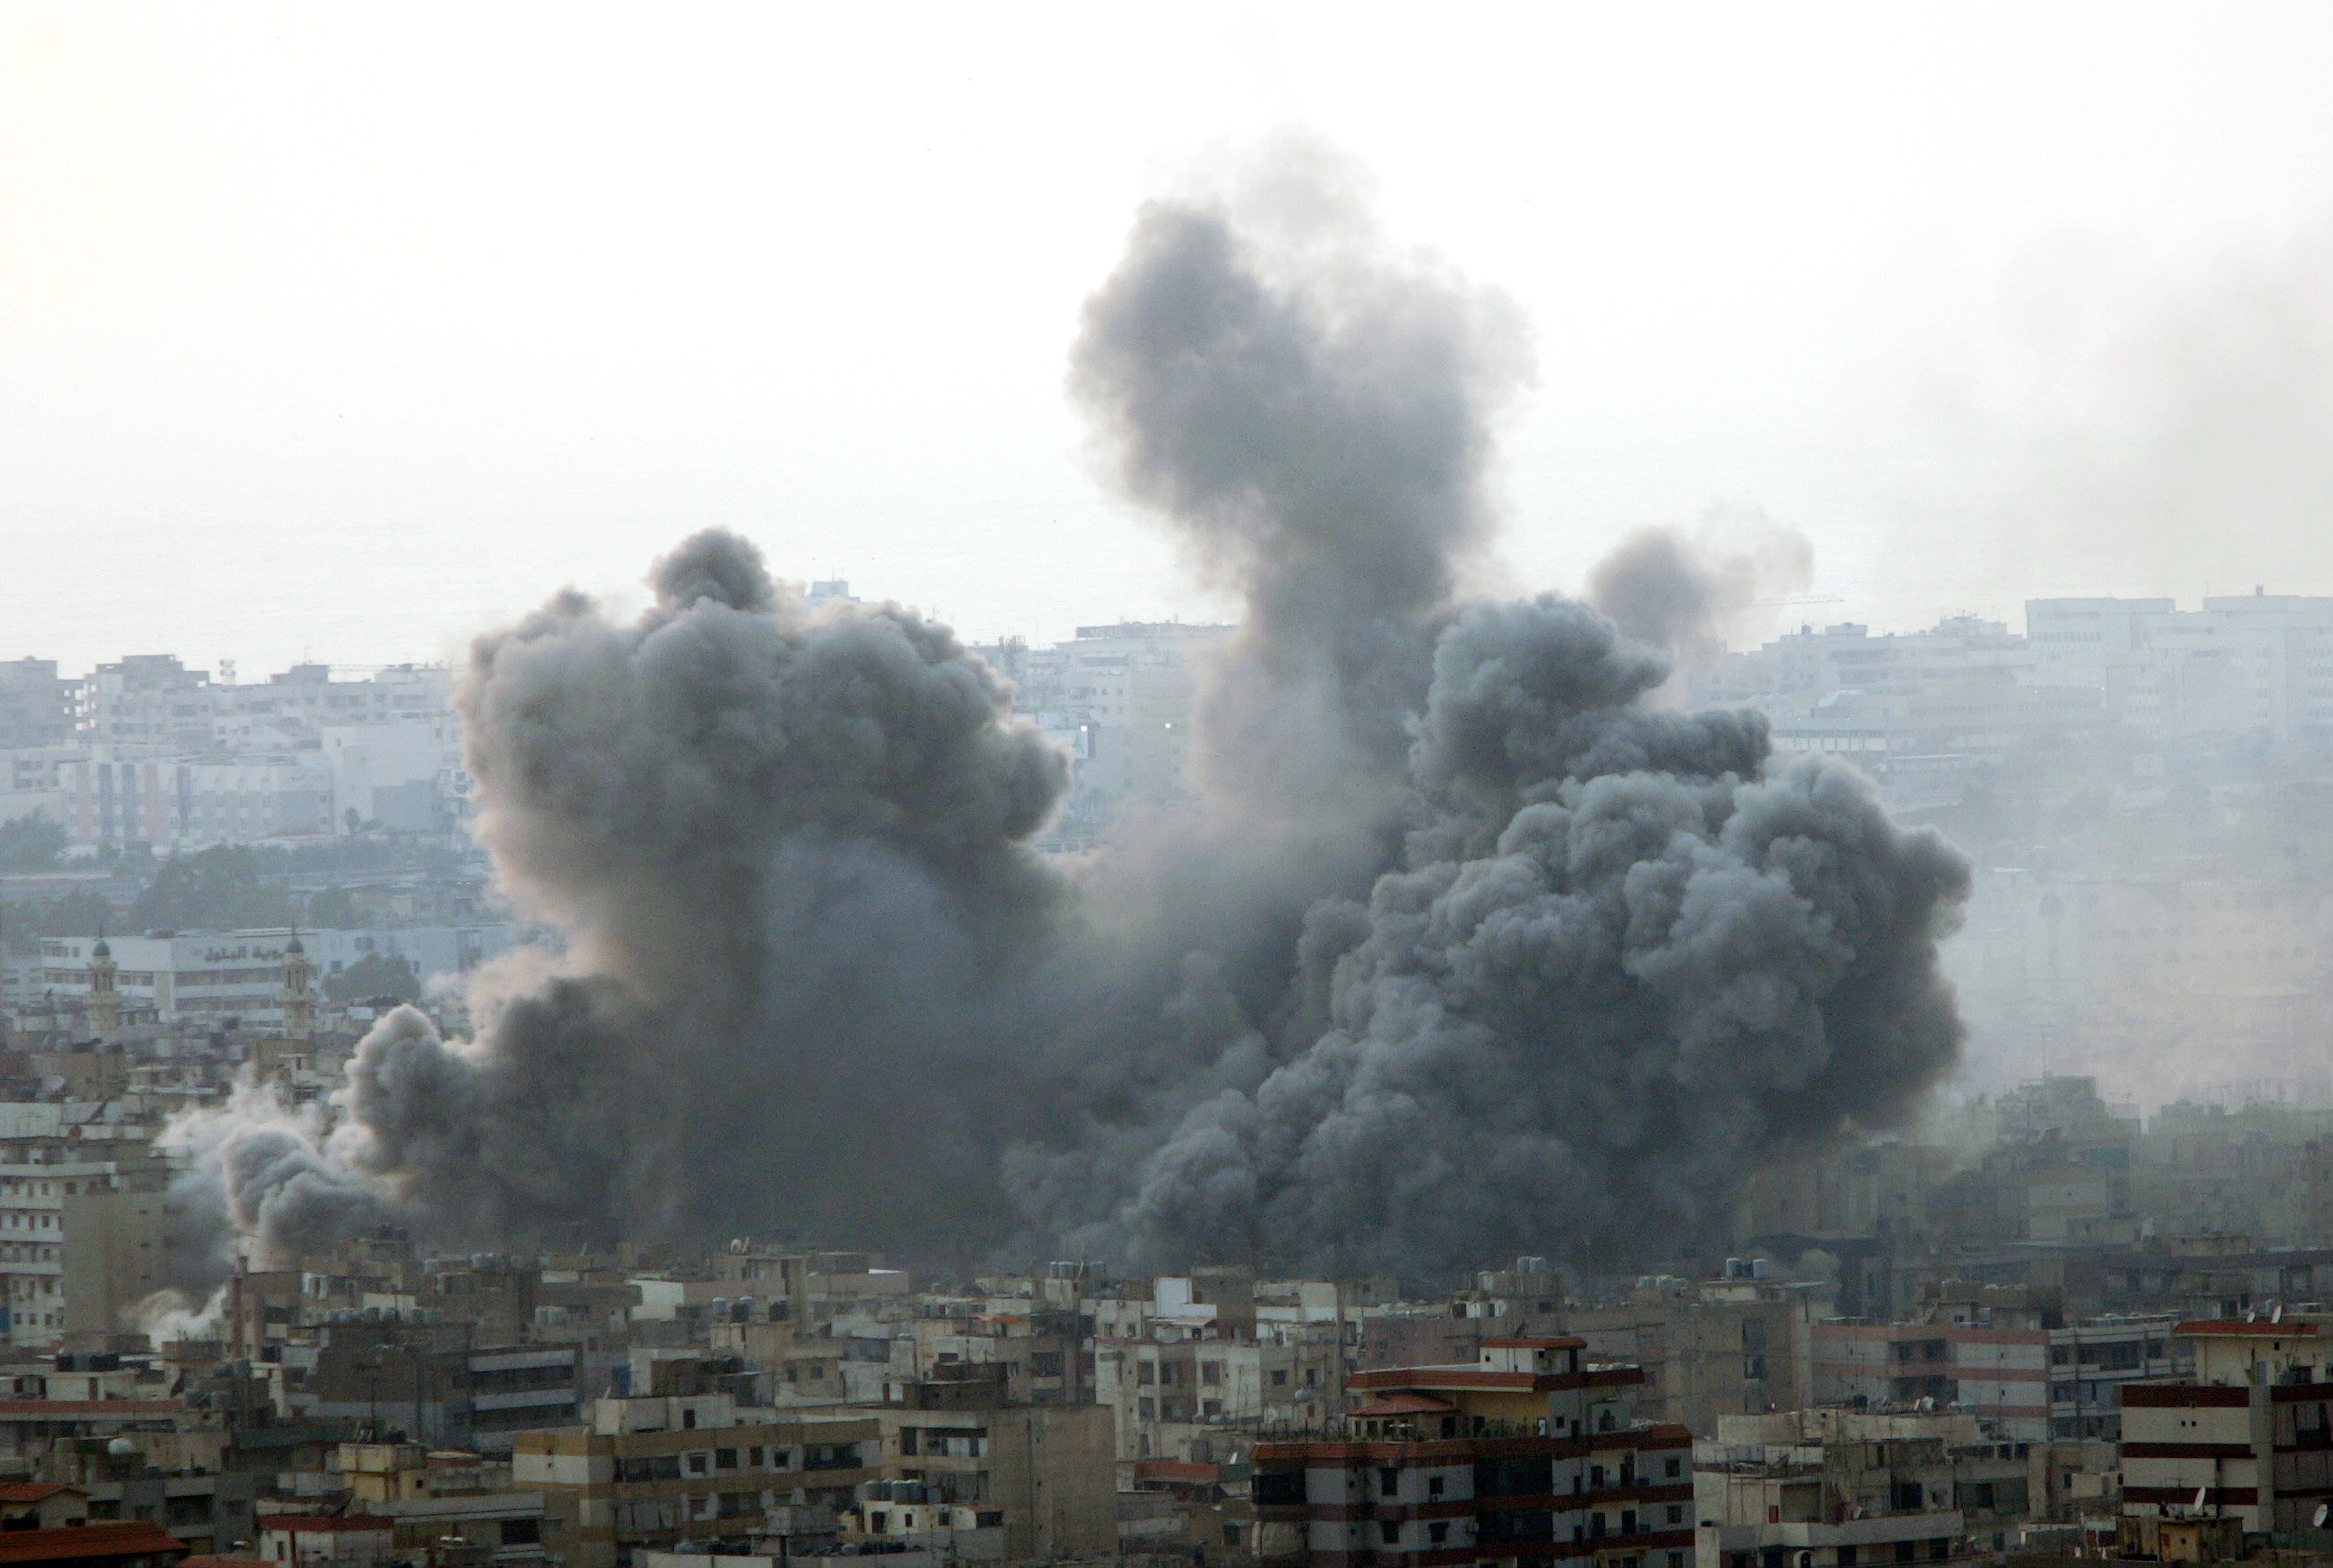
[(1460, 947)]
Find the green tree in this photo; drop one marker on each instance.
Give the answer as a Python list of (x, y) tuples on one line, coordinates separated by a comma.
[(217, 889), (31, 843), (334, 909), (77, 914), (374, 976)]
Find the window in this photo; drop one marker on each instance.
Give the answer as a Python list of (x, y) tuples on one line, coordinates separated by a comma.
[(725, 1459), (1389, 1532), (688, 1417), (1674, 1468), (1389, 1482), (753, 1458), (1145, 1374), (1437, 1531), (697, 1462), (1677, 1513), (1231, 1534), (1280, 1378), (1146, 1410), (1434, 1485)]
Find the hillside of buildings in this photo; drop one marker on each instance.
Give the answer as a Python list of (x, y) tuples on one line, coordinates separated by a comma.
[(1994, 1339)]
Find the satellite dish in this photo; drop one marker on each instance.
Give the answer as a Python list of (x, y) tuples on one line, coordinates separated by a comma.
[(2322, 1510), (2201, 1492)]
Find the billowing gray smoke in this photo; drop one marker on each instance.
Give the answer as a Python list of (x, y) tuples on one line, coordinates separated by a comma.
[(1603, 964), (1314, 414), (786, 847), (1461, 948)]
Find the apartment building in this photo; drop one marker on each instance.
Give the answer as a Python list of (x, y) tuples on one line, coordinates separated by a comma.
[(37, 707), (652, 1471), (2241, 1446), (2257, 664), (426, 1375), (1531, 1453), (1844, 1488), (83, 1227), (2027, 1381), (1048, 1469), (1167, 1397)]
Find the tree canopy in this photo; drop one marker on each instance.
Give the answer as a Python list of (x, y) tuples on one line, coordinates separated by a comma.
[(31, 843), (373, 975), (218, 888)]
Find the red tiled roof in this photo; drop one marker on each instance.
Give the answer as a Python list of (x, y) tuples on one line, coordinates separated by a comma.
[(207, 1560), (2240, 1328), (326, 1522), (38, 1408), (1565, 1342), (129, 1539), (29, 1491), (1173, 1470)]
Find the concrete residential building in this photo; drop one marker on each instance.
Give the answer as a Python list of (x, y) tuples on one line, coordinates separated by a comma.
[(1530, 1455), (2028, 1382), (1844, 1488), (2256, 664), (1049, 1469), (37, 707), (651, 1471), (2242, 1446)]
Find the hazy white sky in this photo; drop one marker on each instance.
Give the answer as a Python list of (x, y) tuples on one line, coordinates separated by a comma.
[(345, 330)]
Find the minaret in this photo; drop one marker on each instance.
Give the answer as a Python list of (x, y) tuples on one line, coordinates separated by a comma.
[(299, 991), (104, 994)]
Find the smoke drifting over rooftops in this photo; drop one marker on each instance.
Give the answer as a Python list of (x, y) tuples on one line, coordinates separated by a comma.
[(1461, 946)]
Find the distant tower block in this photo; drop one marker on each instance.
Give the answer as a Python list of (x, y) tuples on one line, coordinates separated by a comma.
[(105, 991), (299, 991)]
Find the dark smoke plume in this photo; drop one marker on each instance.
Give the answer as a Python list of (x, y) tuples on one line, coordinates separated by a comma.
[(1463, 946), (789, 850), (1312, 410)]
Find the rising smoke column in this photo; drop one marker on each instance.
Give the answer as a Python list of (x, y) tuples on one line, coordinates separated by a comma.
[(788, 849), (1463, 945), (1610, 962), (1312, 410)]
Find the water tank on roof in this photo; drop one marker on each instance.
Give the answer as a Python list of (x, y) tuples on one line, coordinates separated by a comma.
[(1762, 1268)]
